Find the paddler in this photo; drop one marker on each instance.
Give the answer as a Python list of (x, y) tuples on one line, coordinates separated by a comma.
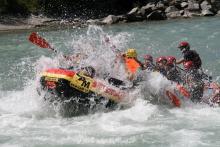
[(88, 71), (132, 64), (161, 63), (148, 62), (189, 55), (192, 55), (173, 73), (194, 82)]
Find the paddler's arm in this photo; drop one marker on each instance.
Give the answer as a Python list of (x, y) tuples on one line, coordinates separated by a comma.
[(141, 64), (180, 61)]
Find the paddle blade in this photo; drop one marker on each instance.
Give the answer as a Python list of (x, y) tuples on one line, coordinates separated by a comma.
[(39, 41), (174, 99), (183, 90)]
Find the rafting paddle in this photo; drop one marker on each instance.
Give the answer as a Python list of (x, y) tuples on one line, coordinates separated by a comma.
[(39, 41)]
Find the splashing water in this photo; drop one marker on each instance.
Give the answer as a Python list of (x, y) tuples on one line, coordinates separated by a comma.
[(26, 121)]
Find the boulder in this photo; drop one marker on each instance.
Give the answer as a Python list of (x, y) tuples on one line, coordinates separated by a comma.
[(207, 13), (193, 6), (182, 12), (156, 15), (145, 10), (205, 5), (218, 13), (184, 5), (175, 14), (171, 9), (111, 19), (189, 14), (152, 6), (216, 6), (133, 11), (160, 6), (132, 18), (134, 15)]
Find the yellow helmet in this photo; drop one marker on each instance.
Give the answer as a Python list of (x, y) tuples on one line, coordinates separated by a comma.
[(131, 53)]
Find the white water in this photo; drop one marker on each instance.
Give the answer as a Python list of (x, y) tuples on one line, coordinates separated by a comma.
[(26, 121)]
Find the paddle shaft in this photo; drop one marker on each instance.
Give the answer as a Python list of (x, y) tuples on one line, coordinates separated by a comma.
[(41, 42)]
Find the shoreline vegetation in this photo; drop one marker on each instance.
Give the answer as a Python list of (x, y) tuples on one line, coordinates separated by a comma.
[(25, 14)]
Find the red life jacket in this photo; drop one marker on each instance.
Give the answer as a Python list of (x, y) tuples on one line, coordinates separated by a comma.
[(132, 65)]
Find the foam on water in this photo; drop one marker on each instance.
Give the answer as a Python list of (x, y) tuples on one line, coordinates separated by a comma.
[(26, 121)]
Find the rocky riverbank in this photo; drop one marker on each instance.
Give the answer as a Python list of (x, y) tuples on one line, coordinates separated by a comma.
[(167, 9), (156, 10)]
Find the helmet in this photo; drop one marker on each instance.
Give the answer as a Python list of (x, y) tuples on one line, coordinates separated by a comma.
[(148, 57), (131, 53), (184, 45), (162, 58), (171, 59), (89, 71), (188, 65)]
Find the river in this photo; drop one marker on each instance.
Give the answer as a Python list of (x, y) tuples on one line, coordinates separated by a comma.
[(26, 121)]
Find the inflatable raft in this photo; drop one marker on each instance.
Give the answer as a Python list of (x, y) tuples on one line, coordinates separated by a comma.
[(78, 92)]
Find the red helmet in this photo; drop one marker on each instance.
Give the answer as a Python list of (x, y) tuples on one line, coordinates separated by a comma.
[(171, 60), (188, 65), (148, 57), (162, 58), (184, 45)]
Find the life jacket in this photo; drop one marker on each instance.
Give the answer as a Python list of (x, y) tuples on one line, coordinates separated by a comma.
[(132, 65)]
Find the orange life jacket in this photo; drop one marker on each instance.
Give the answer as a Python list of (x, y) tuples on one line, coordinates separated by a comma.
[(132, 65)]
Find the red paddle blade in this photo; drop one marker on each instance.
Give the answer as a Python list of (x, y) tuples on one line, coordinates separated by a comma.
[(183, 90), (39, 41), (174, 99)]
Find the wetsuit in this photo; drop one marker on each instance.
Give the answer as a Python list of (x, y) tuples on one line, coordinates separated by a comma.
[(192, 55)]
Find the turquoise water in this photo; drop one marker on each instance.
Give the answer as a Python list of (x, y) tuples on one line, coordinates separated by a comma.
[(26, 121)]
